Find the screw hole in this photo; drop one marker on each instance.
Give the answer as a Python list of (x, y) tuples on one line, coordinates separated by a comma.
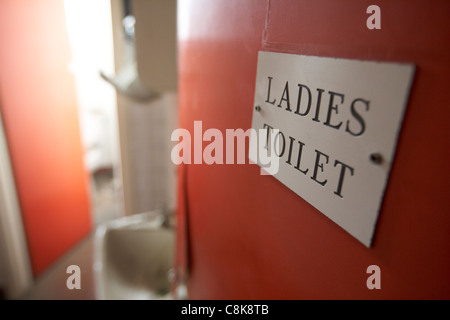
[(376, 158)]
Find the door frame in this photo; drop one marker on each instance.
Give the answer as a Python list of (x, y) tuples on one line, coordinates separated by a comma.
[(13, 246)]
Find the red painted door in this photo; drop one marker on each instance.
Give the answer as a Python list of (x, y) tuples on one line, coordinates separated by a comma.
[(253, 238), (38, 105)]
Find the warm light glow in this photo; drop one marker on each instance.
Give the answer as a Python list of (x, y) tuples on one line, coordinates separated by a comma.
[(89, 28)]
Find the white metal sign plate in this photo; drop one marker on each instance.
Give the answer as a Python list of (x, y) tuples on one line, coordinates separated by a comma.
[(338, 123)]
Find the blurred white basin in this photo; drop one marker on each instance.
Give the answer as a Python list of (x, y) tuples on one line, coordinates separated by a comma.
[(133, 258)]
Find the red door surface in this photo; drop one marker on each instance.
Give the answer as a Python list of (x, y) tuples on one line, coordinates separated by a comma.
[(39, 110), (250, 237)]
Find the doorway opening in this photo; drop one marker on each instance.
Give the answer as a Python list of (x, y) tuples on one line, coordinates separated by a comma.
[(90, 31)]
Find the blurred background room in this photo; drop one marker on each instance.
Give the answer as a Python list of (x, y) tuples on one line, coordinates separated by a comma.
[(88, 100)]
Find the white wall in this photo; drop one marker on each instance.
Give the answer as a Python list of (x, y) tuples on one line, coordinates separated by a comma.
[(151, 171), (149, 176)]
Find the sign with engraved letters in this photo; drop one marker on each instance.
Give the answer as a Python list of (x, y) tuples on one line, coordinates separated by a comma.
[(333, 125)]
